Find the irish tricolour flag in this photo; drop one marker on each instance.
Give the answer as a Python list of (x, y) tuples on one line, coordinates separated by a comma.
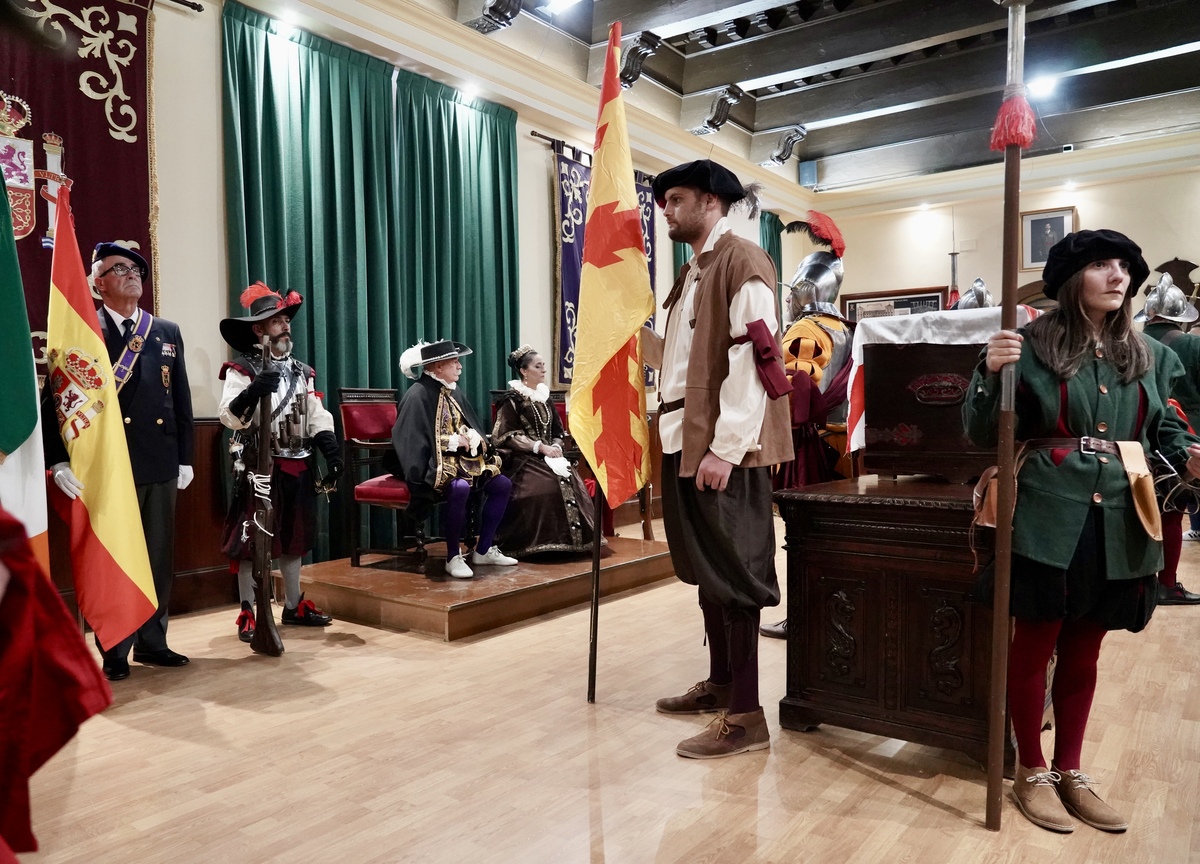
[(22, 469)]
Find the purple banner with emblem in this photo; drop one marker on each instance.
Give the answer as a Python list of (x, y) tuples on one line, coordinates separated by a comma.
[(572, 179), (78, 110)]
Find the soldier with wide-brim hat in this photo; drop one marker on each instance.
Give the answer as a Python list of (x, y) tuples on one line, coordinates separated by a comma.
[(263, 304), (300, 424)]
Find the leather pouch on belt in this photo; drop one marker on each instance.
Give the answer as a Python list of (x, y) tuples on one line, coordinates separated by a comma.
[(1141, 484)]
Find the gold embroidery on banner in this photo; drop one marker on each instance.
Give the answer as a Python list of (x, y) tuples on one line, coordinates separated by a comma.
[(104, 44)]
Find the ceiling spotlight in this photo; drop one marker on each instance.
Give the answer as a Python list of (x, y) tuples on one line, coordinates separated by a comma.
[(1040, 88), (556, 6), (1070, 185), (469, 91), (924, 205)]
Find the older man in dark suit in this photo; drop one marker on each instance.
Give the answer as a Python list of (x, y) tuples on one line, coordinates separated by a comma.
[(147, 357)]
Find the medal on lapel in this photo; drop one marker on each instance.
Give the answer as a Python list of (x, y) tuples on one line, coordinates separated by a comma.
[(166, 376)]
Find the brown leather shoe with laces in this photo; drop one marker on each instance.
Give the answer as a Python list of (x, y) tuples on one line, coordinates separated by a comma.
[(727, 735), (704, 698), (1035, 796), (1076, 790)]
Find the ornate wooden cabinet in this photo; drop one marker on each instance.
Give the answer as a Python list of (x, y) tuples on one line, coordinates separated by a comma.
[(882, 635)]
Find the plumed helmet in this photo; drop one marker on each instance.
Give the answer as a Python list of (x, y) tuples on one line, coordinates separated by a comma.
[(975, 297), (816, 283), (1165, 300)]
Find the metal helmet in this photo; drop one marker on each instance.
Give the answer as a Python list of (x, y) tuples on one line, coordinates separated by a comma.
[(975, 297), (1166, 301), (816, 283)]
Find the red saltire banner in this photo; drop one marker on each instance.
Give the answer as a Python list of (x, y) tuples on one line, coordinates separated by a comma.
[(113, 580), (608, 394)]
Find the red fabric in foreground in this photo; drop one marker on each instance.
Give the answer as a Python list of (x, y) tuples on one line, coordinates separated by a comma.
[(49, 683)]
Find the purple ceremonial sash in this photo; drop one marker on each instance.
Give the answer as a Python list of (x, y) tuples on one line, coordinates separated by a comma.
[(123, 368)]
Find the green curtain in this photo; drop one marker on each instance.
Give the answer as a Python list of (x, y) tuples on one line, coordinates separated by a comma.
[(389, 206), (458, 245), (683, 254), (770, 237)]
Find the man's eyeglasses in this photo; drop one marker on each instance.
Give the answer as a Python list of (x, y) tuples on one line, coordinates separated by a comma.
[(125, 270)]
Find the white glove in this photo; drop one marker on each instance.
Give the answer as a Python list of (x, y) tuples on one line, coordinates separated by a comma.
[(474, 439), (559, 465), (454, 443), (65, 479), (185, 476)]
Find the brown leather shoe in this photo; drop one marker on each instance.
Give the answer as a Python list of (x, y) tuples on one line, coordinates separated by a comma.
[(778, 630), (1035, 796), (1077, 793), (704, 698), (728, 734)]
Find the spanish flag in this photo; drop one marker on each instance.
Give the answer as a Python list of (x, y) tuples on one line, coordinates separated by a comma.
[(108, 549), (22, 463), (608, 396)]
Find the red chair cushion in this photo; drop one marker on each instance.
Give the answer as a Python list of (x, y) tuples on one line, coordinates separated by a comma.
[(387, 491)]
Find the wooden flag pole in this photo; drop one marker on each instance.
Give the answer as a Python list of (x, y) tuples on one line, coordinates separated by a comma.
[(597, 539), (1014, 130)]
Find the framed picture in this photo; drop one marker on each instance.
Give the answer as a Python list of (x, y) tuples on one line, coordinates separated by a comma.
[(877, 304), (1040, 230)]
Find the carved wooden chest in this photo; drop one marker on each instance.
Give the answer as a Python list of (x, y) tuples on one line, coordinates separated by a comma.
[(914, 395), (882, 635)]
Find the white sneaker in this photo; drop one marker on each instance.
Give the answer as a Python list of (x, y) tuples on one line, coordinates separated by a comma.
[(457, 567), (1191, 535), (494, 557)]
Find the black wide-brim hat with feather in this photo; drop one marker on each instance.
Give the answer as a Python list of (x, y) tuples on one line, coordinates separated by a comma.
[(261, 304), (1075, 251), (427, 353), (703, 174)]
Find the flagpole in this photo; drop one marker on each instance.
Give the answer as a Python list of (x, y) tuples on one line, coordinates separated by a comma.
[(597, 539)]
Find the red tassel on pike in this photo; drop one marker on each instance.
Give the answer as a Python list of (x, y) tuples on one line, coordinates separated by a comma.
[(1015, 124)]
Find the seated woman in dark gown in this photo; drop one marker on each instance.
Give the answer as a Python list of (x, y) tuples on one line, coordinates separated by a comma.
[(550, 510)]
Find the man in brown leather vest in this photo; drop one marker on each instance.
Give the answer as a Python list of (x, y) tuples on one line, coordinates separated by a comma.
[(722, 426)]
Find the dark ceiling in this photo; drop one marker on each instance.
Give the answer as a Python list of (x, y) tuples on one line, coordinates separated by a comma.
[(893, 88)]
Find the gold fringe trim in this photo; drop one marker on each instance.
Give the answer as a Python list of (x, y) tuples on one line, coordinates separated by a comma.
[(152, 146)]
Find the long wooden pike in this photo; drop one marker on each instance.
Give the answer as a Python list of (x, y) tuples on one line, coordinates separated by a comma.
[(1013, 131)]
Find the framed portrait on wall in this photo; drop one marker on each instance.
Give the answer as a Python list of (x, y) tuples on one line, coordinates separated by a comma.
[(877, 304), (1041, 229)]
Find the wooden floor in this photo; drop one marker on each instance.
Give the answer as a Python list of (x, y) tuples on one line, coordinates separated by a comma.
[(361, 745)]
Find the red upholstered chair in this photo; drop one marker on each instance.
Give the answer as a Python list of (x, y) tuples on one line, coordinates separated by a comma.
[(367, 420)]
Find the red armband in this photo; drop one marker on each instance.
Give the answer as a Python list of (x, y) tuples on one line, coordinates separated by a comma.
[(768, 359)]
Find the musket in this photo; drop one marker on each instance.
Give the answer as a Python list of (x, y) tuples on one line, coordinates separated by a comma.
[(266, 638)]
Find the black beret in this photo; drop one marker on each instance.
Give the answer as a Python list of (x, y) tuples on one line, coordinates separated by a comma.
[(103, 250), (1075, 251), (706, 175)]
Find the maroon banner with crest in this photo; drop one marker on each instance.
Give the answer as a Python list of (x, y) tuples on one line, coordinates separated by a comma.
[(81, 111)]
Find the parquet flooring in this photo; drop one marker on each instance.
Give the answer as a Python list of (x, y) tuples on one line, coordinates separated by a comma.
[(361, 745)]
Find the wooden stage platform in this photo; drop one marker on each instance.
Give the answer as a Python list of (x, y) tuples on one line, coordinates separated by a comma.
[(379, 594)]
